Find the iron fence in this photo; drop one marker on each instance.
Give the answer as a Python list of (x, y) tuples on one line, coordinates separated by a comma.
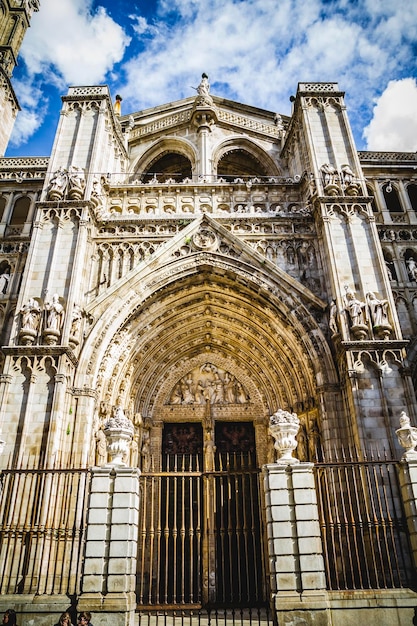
[(42, 524), (363, 526)]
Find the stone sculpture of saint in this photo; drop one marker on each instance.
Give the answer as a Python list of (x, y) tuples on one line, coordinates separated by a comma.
[(76, 182), (378, 310), (30, 314), (58, 184), (356, 309), (204, 87), (76, 320), (4, 280), (54, 313), (412, 268)]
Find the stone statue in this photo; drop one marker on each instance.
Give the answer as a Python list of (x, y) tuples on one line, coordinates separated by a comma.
[(101, 446), (329, 174), (378, 310), (76, 320), (58, 184), (54, 314), (4, 280), (356, 309), (31, 315), (412, 268), (204, 87), (333, 318), (76, 182)]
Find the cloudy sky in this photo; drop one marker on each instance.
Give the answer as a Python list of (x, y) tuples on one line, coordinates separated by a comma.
[(254, 51)]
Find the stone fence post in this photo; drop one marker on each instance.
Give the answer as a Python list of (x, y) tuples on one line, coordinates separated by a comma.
[(408, 483), (109, 576), (296, 565)]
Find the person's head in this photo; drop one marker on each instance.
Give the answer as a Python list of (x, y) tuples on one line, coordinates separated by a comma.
[(10, 617), (65, 619), (84, 618)]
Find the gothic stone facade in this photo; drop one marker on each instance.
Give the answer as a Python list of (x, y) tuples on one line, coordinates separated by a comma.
[(198, 263)]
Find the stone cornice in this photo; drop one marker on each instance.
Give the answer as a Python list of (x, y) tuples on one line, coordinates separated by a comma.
[(55, 351), (387, 157)]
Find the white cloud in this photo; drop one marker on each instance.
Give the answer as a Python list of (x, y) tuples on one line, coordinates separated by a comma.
[(394, 123), (255, 51), (70, 40)]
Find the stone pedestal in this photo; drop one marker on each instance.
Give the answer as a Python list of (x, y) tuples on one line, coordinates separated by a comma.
[(108, 584), (296, 564)]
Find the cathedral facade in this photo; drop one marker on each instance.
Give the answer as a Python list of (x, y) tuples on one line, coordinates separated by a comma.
[(208, 363)]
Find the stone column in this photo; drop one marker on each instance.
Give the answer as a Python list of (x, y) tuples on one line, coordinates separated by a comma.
[(408, 482), (108, 583), (296, 564)]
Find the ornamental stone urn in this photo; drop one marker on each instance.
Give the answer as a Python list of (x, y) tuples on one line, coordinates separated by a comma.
[(284, 426), (119, 433), (407, 437)]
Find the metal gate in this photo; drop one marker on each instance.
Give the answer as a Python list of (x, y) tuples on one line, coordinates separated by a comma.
[(201, 529)]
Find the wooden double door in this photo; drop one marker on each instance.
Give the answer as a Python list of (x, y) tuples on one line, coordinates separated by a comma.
[(201, 527)]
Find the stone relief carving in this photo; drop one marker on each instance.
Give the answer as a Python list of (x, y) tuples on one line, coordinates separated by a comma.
[(67, 184), (208, 384), (337, 182)]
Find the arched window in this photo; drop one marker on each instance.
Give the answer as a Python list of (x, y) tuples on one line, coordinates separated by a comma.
[(20, 211), (2, 207), (237, 163), (412, 194), (169, 166), (391, 198), (373, 203)]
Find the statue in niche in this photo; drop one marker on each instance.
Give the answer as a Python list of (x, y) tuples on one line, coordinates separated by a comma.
[(76, 182), (209, 450), (31, 315), (329, 174), (101, 444), (4, 279), (314, 442), (54, 314), (146, 450), (302, 443), (76, 320), (412, 268), (334, 329), (357, 313), (348, 176), (378, 310), (58, 184)]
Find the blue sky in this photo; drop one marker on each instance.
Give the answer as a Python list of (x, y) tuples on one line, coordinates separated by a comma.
[(255, 51)]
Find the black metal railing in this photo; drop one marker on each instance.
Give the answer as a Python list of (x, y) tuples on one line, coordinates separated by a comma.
[(363, 526), (42, 529)]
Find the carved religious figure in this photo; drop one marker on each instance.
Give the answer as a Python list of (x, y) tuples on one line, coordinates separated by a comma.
[(412, 268), (31, 315), (357, 313), (58, 184), (76, 182), (54, 314), (4, 280), (333, 318), (378, 310)]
